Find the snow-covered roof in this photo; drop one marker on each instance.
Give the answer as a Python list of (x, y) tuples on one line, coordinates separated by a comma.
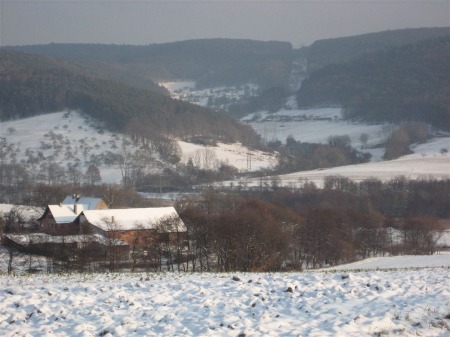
[(65, 213), (88, 203), (134, 218)]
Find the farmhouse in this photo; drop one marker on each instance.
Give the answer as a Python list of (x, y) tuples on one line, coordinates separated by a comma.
[(134, 225), (59, 219), (88, 225)]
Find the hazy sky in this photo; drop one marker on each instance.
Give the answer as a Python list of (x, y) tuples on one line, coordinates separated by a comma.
[(145, 22)]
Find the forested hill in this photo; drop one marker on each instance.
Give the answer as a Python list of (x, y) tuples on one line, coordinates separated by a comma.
[(338, 50), (405, 83), (33, 84), (102, 61), (210, 62)]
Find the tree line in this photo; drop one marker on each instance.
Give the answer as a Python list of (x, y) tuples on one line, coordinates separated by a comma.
[(300, 156), (208, 62), (276, 228), (309, 227)]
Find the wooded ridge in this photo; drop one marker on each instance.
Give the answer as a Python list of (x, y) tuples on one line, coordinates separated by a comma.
[(33, 84), (208, 62), (343, 49), (407, 83)]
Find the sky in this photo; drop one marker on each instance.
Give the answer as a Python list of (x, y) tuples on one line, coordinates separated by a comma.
[(146, 22)]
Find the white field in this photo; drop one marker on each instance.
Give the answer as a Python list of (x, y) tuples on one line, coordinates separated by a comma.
[(77, 132), (402, 302), (232, 154), (426, 163), (313, 129)]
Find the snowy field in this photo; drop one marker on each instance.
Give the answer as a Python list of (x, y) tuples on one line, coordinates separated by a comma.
[(426, 163), (231, 154), (392, 262), (68, 137), (404, 302), (314, 126), (412, 167)]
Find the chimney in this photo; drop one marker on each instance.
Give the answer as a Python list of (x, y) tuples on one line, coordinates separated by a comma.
[(75, 208)]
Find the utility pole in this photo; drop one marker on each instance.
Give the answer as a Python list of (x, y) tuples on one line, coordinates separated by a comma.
[(249, 162)]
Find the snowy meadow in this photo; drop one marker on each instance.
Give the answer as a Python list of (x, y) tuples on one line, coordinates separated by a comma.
[(409, 301)]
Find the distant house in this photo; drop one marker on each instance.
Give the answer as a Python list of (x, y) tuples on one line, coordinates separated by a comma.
[(87, 203), (134, 225), (59, 219)]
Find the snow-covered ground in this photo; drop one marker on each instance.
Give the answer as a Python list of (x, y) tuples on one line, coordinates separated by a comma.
[(405, 302), (426, 163), (69, 137), (231, 154), (316, 125), (63, 137), (412, 167), (393, 262)]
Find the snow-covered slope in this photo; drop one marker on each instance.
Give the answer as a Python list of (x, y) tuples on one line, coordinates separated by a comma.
[(394, 262), (69, 137), (427, 163), (434, 166), (231, 154), (375, 303)]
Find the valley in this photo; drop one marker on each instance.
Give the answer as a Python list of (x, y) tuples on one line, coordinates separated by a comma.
[(224, 168), (429, 161)]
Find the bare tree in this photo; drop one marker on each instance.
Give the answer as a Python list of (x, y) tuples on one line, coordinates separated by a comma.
[(364, 138), (92, 175), (172, 241), (110, 194), (421, 235), (113, 242), (205, 159)]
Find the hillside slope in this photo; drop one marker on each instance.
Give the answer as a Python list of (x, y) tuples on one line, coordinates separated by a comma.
[(209, 62), (32, 85), (408, 83), (337, 50)]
